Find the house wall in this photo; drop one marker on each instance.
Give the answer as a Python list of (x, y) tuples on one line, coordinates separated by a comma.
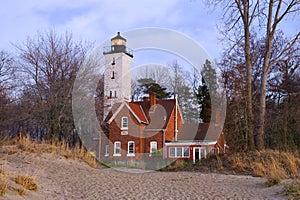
[(170, 129), (136, 133)]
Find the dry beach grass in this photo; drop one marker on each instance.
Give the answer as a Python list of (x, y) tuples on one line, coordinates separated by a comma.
[(57, 176)]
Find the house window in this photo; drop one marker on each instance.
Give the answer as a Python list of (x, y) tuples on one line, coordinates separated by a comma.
[(130, 148), (172, 152), (203, 153), (153, 147), (106, 150), (186, 152), (124, 123), (179, 152), (117, 149)]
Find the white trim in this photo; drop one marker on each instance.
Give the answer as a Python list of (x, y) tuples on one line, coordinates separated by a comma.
[(182, 152), (191, 143), (128, 153), (117, 154), (132, 112), (200, 150), (153, 142), (176, 116), (147, 122), (124, 127), (106, 150), (116, 113)]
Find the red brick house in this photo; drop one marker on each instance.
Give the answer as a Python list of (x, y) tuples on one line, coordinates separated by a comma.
[(144, 129), (141, 129)]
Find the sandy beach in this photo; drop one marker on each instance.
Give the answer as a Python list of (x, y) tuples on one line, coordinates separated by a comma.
[(61, 178)]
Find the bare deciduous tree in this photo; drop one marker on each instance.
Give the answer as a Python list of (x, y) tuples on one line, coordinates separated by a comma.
[(49, 65), (244, 19)]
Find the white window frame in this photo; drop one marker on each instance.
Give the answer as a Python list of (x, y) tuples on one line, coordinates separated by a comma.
[(128, 150), (171, 156), (124, 123), (153, 143), (106, 150), (115, 148), (177, 150), (186, 149)]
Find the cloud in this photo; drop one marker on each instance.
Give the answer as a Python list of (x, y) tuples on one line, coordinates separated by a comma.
[(89, 19)]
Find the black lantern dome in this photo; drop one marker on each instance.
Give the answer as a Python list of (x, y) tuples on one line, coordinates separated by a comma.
[(118, 45)]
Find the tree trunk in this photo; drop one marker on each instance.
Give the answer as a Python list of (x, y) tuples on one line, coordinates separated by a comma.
[(249, 118), (265, 72), (262, 113)]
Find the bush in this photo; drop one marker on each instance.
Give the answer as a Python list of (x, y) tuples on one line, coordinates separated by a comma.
[(27, 182), (293, 190)]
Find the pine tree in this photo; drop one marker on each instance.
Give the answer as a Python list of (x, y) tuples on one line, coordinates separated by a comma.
[(149, 85)]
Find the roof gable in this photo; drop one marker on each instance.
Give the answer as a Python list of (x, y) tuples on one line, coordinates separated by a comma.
[(156, 117), (134, 110)]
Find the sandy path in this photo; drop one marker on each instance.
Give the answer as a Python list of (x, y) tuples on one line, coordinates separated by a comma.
[(60, 178)]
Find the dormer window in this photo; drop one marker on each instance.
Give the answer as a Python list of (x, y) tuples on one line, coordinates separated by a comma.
[(124, 123)]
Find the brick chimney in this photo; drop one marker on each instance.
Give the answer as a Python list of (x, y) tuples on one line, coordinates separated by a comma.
[(145, 99), (152, 99)]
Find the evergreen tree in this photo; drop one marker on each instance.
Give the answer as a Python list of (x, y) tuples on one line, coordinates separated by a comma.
[(149, 85), (206, 91)]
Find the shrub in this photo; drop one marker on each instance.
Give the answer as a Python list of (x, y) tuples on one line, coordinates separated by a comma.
[(293, 190), (27, 182), (3, 186)]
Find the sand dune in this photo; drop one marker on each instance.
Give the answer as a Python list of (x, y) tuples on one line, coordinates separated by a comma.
[(61, 178)]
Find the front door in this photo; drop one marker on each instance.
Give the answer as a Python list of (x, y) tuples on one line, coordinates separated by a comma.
[(198, 153)]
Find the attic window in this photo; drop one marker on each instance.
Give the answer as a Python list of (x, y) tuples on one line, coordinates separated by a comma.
[(124, 123)]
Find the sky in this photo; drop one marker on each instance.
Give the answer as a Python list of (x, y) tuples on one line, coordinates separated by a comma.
[(99, 20)]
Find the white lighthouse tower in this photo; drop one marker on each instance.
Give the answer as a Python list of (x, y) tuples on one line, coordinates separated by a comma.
[(117, 73)]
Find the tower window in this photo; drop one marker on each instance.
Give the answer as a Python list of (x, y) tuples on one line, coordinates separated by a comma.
[(115, 93), (113, 75), (110, 94)]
